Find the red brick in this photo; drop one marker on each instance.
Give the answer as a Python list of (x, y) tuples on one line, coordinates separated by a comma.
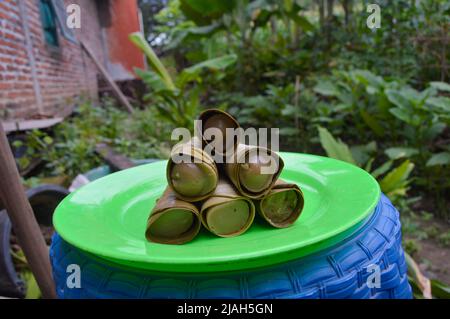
[(61, 76)]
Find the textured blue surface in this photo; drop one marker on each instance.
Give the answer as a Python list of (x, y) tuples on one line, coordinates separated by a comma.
[(338, 272)]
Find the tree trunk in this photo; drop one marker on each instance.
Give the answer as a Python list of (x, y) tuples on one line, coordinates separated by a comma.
[(274, 29), (321, 13), (348, 8), (296, 36), (330, 7), (329, 21)]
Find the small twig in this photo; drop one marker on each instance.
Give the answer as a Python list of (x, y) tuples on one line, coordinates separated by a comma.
[(296, 99)]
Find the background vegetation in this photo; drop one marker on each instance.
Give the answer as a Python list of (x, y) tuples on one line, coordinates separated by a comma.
[(377, 98)]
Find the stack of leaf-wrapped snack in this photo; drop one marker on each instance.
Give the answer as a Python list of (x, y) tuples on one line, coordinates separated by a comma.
[(221, 195)]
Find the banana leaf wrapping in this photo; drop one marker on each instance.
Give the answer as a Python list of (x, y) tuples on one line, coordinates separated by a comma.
[(282, 206), (226, 213), (169, 211), (241, 175), (195, 179), (221, 120)]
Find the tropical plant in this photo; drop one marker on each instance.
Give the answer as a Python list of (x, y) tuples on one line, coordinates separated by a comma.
[(394, 181), (409, 123), (175, 99)]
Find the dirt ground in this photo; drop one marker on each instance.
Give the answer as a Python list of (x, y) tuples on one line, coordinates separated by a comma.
[(434, 261)]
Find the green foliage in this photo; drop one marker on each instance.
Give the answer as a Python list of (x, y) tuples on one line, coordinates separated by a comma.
[(412, 228), (281, 64), (442, 158), (395, 181), (175, 100), (335, 148), (70, 148), (444, 239), (400, 152), (138, 39), (205, 11), (31, 286), (408, 123), (411, 246), (440, 290), (33, 291)]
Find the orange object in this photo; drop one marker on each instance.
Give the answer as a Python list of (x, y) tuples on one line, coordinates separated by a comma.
[(123, 55)]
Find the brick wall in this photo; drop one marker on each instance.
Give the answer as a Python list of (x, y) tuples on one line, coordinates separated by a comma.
[(63, 74)]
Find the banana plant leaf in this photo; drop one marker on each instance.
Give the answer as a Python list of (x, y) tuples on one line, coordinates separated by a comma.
[(138, 39)]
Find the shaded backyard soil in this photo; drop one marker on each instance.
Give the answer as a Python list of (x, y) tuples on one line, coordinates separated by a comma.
[(434, 261), (428, 242)]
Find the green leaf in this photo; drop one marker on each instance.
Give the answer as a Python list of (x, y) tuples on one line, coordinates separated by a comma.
[(210, 7), (341, 107), (33, 291), (215, 64), (289, 110), (372, 122), (401, 114), (169, 115), (372, 81), (369, 163), (398, 99), (398, 152), (439, 159), (48, 140), (436, 129), (301, 21), (395, 182), (382, 169), (361, 153), (153, 81), (138, 39), (194, 33), (288, 131), (204, 11), (326, 88), (335, 148), (288, 5), (17, 143), (413, 95), (441, 86), (193, 73), (440, 290), (260, 13), (440, 102), (23, 162)]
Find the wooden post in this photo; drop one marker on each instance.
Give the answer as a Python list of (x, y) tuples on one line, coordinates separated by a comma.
[(117, 92), (25, 226)]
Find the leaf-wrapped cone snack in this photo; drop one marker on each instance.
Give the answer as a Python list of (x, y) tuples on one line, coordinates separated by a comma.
[(195, 177), (226, 213), (172, 221), (254, 170), (222, 121), (282, 206)]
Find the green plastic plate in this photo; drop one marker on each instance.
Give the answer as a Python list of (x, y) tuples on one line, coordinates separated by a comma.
[(108, 218)]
